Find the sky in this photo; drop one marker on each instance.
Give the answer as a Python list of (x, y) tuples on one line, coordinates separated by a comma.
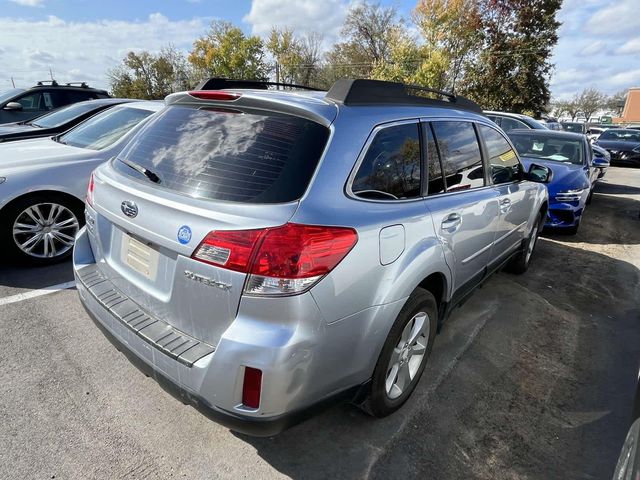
[(80, 40)]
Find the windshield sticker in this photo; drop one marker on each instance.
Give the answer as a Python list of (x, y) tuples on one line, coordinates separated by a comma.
[(184, 234)]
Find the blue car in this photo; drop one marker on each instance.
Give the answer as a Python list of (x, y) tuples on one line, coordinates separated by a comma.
[(575, 172)]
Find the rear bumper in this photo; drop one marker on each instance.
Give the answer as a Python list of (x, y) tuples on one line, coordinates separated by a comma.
[(294, 384), (257, 427)]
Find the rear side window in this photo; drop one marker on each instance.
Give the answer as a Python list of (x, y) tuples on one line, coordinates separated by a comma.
[(227, 154), (390, 169), (460, 153), (503, 160)]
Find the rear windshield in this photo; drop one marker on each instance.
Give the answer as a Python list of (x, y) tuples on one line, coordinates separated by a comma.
[(64, 115), (226, 154)]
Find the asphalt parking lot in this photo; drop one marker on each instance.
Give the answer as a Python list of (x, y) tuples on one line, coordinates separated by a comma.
[(532, 378)]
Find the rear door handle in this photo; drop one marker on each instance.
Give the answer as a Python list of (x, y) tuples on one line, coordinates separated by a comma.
[(451, 222)]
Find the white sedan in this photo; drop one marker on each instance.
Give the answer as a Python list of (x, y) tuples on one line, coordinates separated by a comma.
[(43, 182)]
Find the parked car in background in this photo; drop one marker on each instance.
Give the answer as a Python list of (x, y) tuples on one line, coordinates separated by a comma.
[(550, 123), (301, 254), (601, 160), (623, 144), (19, 105), (57, 121), (43, 182), (569, 155), (574, 127), (511, 121)]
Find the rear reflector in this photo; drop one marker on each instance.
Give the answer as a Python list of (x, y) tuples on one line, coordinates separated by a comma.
[(215, 95), (251, 387), (282, 260), (90, 191)]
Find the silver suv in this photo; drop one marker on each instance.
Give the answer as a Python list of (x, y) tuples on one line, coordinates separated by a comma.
[(258, 251)]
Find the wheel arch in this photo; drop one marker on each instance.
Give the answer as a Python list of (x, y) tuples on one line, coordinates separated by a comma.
[(72, 199)]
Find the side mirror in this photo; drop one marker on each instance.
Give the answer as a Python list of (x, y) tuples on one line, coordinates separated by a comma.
[(13, 106), (539, 173)]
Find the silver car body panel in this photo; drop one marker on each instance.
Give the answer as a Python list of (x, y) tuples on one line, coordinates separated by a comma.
[(323, 341)]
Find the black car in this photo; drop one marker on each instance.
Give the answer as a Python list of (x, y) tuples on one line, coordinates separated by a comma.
[(19, 105), (510, 121), (57, 121), (623, 144)]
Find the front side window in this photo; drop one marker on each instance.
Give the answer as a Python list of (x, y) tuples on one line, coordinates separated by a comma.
[(104, 129), (390, 169), (460, 153), (435, 178), (503, 160), (511, 124), (33, 102)]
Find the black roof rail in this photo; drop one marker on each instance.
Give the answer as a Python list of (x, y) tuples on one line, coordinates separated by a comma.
[(41, 83), (376, 92), (82, 84), (224, 83)]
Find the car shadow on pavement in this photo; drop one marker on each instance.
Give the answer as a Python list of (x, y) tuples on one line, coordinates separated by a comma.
[(533, 377), (16, 275)]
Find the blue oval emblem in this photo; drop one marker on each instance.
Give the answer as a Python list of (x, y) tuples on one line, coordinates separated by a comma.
[(184, 234)]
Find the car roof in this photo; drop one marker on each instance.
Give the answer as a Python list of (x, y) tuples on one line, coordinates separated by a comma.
[(547, 133), (509, 114), (151, 105)]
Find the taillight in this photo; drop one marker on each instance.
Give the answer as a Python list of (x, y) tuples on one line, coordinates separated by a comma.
[(251, 387), (90, 191), (281, 260), (215, 95)]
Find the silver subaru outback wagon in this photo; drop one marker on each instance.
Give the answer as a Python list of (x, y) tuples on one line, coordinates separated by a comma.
[(260, 252)]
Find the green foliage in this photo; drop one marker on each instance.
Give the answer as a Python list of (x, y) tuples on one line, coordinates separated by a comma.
[(225, 51), (513, 68), (147, 76)]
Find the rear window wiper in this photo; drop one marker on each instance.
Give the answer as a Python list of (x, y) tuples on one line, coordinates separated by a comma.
[(140, 169)]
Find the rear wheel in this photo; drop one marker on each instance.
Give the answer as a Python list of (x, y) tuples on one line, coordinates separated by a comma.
[(41, 230), (404, 355), (520, 263)]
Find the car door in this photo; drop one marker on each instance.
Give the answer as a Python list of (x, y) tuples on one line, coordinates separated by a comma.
[(463, 206), (515, 196)]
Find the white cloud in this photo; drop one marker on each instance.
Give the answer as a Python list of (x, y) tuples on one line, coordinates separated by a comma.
[(593, 48), (304, 16), (84, 51), (628, 78), (615, 19), (29, 3), (630, 48)]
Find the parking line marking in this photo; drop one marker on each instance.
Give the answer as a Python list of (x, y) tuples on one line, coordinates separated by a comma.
[(37, 293)]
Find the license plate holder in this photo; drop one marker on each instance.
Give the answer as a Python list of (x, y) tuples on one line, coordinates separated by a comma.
[(140, 257)]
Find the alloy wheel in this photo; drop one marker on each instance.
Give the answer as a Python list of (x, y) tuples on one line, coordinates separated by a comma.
[(45, 230), (408, 355)]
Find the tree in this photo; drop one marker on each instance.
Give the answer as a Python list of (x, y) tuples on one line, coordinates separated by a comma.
[(513, 68), (615, 103), (589, 102), (225, 51), (368, 31), (150, 76), (297, 59), (452, 33)]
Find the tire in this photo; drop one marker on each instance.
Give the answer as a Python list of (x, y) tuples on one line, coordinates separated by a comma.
[(520, 263), (390, 390), (49, 222)]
